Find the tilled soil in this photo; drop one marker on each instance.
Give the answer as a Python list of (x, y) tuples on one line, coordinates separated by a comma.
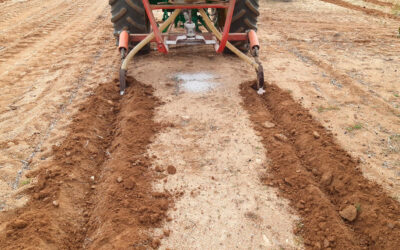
[(82, 167), (320, 178), (368, 11), (97, 192)]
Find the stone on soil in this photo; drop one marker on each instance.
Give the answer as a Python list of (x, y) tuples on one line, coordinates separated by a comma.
[(349, 213), (268, 124), (280, 137), (55, 203)]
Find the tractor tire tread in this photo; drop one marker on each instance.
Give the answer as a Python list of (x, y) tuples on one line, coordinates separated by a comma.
[(129, 15), (244, 18)]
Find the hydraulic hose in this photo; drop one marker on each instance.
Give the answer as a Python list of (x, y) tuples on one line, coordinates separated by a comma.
[(148, 38), (239, 53)]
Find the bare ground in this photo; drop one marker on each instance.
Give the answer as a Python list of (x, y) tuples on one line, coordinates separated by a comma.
[(183, 164)]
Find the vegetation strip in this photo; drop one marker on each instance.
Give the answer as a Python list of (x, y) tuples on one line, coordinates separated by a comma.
[(338, 206)]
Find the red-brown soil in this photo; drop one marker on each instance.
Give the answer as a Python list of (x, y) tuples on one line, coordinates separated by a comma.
[(368, 11), (377, 2), (319, 178), (96, 193)]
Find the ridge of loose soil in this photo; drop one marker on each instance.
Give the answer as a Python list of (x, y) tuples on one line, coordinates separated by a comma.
[(97, 190), (371, 12), (319, 178), (377, 2)]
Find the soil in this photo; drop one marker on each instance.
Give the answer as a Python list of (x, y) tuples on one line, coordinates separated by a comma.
[(320, 178), (191, 157), (372, 12), (97, 191), (381, 3)]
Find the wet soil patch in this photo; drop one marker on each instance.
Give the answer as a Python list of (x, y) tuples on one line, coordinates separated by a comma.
[(339, 208), (96, 192)]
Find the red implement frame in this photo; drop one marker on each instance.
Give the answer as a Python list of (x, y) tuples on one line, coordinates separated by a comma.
[(214, 38), (159, 38)]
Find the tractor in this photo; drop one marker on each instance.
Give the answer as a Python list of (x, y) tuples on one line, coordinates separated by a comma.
[(228, 25)]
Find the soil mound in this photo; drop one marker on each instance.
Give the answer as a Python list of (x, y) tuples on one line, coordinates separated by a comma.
[(320, 179)]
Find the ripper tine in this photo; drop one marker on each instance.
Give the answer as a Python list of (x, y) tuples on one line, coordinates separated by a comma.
[(122, 81)]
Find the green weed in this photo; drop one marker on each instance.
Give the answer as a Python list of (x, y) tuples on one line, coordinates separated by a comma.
[(396, 11), (357, 126), (358, 207), (321, 109), (26, 182)]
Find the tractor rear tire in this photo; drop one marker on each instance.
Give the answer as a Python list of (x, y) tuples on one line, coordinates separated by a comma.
[(129, 15), (244, 18)]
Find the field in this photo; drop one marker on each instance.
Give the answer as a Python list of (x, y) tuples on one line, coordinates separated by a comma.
[(191, 157)]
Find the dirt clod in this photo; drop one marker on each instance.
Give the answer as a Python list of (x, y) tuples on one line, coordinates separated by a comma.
[(326, 243), (349, 213), (167, 233), (326, 178), (171, 169), (159, 169), (129, 184), (18, 224)]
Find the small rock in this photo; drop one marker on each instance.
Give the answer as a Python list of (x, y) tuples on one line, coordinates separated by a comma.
[(93, 187), (298, 171), (326, 178), (55, 203), (316, 135), (119, 179), (280, 137), (268, 124), (171, 169), (390, 225), (92, 178), (68, 153), (349, 213)]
